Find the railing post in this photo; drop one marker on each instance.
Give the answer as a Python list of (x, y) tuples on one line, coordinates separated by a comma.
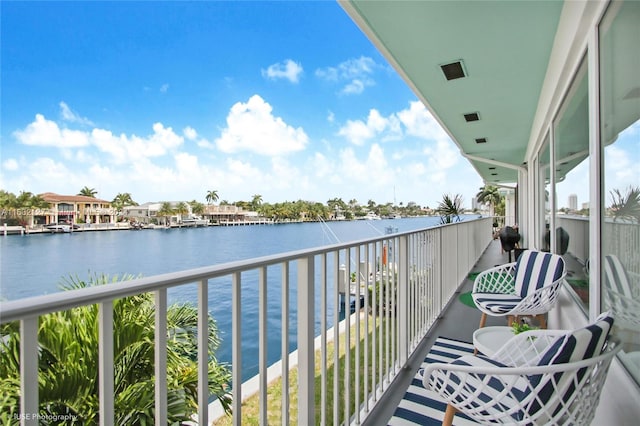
[(161, 356), (203, 352), (306, 310), (262, 345), (29, 371), (285, 344), (236, 338), (403, 299), (105, 363)]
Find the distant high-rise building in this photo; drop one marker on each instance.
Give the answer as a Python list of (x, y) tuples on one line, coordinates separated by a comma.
[(573, 202)]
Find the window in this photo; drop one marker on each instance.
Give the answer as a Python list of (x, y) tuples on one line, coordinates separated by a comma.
[(619, 33), (571, 167)]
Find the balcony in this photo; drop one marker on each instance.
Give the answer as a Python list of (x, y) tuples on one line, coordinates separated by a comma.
[(407, 285)]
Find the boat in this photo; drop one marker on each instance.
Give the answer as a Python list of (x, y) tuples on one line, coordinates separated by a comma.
[(194, 221), (59, 228), (371, 216)]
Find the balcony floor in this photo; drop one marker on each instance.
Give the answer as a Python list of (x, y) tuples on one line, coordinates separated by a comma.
[(457, 321)]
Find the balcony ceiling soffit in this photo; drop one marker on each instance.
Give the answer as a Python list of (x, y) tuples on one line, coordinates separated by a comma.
[(505, 48)]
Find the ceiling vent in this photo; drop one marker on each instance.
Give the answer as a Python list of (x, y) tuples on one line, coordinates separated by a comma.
[(453, 70), (481, 140), (474, 116)]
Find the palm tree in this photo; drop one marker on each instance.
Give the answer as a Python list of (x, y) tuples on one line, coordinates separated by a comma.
[(68, 361), (450, 208), (181, 208), (7, 199), (88, 192), (122, 200), (212, 196), (489, 194), (196, 207), (626, 206), (165, 211), (256, 201)]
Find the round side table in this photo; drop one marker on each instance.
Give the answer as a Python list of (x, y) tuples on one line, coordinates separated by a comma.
[(487, 340)]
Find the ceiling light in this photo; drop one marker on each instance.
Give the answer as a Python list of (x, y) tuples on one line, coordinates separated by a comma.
[(481, 140), (473, 116), (453, 70)]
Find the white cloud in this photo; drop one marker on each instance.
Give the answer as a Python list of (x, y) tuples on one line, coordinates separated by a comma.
[(358, 132), (124, 149), (165, 165), (331, 117), (252, 127), (190, 133), (10, 164), (355, 74), (367, 173), (43, 132), (73, 117), (288, 70), (418, 121), (414, 121), (164, 88), (49, 170)]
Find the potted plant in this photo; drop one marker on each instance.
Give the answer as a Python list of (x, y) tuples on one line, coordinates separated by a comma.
[(522, 326)]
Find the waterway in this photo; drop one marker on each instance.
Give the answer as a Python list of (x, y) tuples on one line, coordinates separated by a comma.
[(36, 264)]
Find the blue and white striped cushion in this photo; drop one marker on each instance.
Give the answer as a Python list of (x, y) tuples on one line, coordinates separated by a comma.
[(496, 302), (580, 344), (490, 394), (583, 343), (535, 269), (616, 278)]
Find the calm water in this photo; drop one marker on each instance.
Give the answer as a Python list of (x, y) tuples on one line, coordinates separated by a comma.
[(36, 264)]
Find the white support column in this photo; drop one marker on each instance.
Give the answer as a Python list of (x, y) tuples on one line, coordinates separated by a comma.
[(596, 177), (203, 352), (105, 363), (522, 208), (306, 310), (160, 356), (29, 371)]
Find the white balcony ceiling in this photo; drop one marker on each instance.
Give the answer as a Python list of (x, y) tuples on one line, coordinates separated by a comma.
[(505, 47)]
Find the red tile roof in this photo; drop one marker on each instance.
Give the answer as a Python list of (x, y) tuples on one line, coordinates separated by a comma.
[(51, 197)]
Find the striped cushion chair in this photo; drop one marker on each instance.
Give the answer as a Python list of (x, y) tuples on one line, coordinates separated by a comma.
[(529, 286), (537, 377)]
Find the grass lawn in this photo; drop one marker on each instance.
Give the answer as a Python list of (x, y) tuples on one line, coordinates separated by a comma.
[(250, 407)]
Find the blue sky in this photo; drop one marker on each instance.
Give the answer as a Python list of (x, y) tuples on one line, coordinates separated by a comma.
[(168, 100)]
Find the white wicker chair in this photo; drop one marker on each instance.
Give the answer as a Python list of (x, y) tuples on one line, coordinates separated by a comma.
[(538, 377), (529, 286)]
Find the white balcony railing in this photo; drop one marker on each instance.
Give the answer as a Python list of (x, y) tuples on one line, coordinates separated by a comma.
[(417, 273)]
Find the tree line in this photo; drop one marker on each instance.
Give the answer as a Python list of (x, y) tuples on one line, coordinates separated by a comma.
[(449, 208)]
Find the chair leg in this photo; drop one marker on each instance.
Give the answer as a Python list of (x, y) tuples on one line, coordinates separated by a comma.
[(483, 320), (542, 320), (448, 415)]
